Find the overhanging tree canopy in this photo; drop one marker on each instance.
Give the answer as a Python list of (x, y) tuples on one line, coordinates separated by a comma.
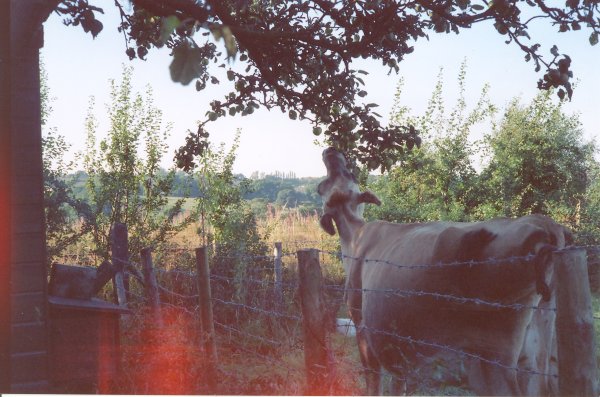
[(299, 54)]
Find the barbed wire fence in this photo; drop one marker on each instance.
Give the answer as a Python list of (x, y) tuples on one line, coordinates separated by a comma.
[(260, 326)]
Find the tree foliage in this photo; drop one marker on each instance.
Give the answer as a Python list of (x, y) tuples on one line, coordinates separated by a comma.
[(298, 54), (61, 209), (539, 162), (221, 202), (437, 181), (239, 245), (588, 220), (534, 160), (125, 183)]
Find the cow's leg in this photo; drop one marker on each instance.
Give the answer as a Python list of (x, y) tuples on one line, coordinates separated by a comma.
[(370, 364), (491, 380)]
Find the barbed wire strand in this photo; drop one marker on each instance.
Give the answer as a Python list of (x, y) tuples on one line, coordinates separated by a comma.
[(248, 334), (255, 281), (448, 297), (257, 309), (401, 293), (410, 339)]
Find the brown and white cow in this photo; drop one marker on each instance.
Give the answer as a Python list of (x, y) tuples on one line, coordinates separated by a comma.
[(407, 312)]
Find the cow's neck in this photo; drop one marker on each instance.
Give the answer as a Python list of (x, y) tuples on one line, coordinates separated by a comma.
[(348, 225)]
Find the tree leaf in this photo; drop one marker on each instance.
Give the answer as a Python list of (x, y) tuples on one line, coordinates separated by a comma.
[(594, 38), (167, 27), (186, 64), (230, 43), (89, 23)]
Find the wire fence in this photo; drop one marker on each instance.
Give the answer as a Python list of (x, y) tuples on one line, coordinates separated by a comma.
[(258, 321)]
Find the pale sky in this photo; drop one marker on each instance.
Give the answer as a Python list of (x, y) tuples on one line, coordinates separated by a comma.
[(79, 67)]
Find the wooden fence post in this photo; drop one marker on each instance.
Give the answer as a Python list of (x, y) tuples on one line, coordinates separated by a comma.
[(278, 276), (318, 367), (577, 368), (207, 325), (150, 285), (120, 255)]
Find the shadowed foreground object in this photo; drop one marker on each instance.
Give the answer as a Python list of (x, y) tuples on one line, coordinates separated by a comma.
[(84, 331), (507, 347)]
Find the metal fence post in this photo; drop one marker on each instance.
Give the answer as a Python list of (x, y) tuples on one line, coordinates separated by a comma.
[(206, 315), (318, 367), (150, 285), (278, 276), (577, 368)]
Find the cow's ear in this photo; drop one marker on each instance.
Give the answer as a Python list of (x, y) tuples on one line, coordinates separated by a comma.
[(327, 224), (368, 197)]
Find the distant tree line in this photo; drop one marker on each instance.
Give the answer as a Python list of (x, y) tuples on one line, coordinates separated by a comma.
[(287, 191)]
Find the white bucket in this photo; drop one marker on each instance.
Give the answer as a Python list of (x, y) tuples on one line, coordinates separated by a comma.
[(345, 326)]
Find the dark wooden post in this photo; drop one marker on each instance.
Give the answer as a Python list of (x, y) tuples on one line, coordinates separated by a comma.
[(278, 276), (5, 196), (318, 368), (24, 342), (120, 256), (577, 368), (150, 285), (206, 315)]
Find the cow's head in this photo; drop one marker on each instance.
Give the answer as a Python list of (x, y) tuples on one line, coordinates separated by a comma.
[(342, 200)]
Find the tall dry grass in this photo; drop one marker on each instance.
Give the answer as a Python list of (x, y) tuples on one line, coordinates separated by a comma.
[(168, 359), (290, 226)]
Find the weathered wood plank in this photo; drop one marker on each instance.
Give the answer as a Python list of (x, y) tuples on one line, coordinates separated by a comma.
[(5, 193), (151, 286), (28, 277), (120, 255), (277, 270), (206, 315), (34, 387), (28, 248), (577, 367), (318, 367), (28, 337), (26, 218), (29, 367), (27, 190), (27, 168), (29, 307)]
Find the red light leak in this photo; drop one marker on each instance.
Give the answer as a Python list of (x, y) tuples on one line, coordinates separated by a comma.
[(163, 360)]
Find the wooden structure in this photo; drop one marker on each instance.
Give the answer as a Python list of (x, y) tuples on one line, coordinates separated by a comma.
[(577, 367), (23, 301), (84, 344), (207, 325), (316, 344)]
